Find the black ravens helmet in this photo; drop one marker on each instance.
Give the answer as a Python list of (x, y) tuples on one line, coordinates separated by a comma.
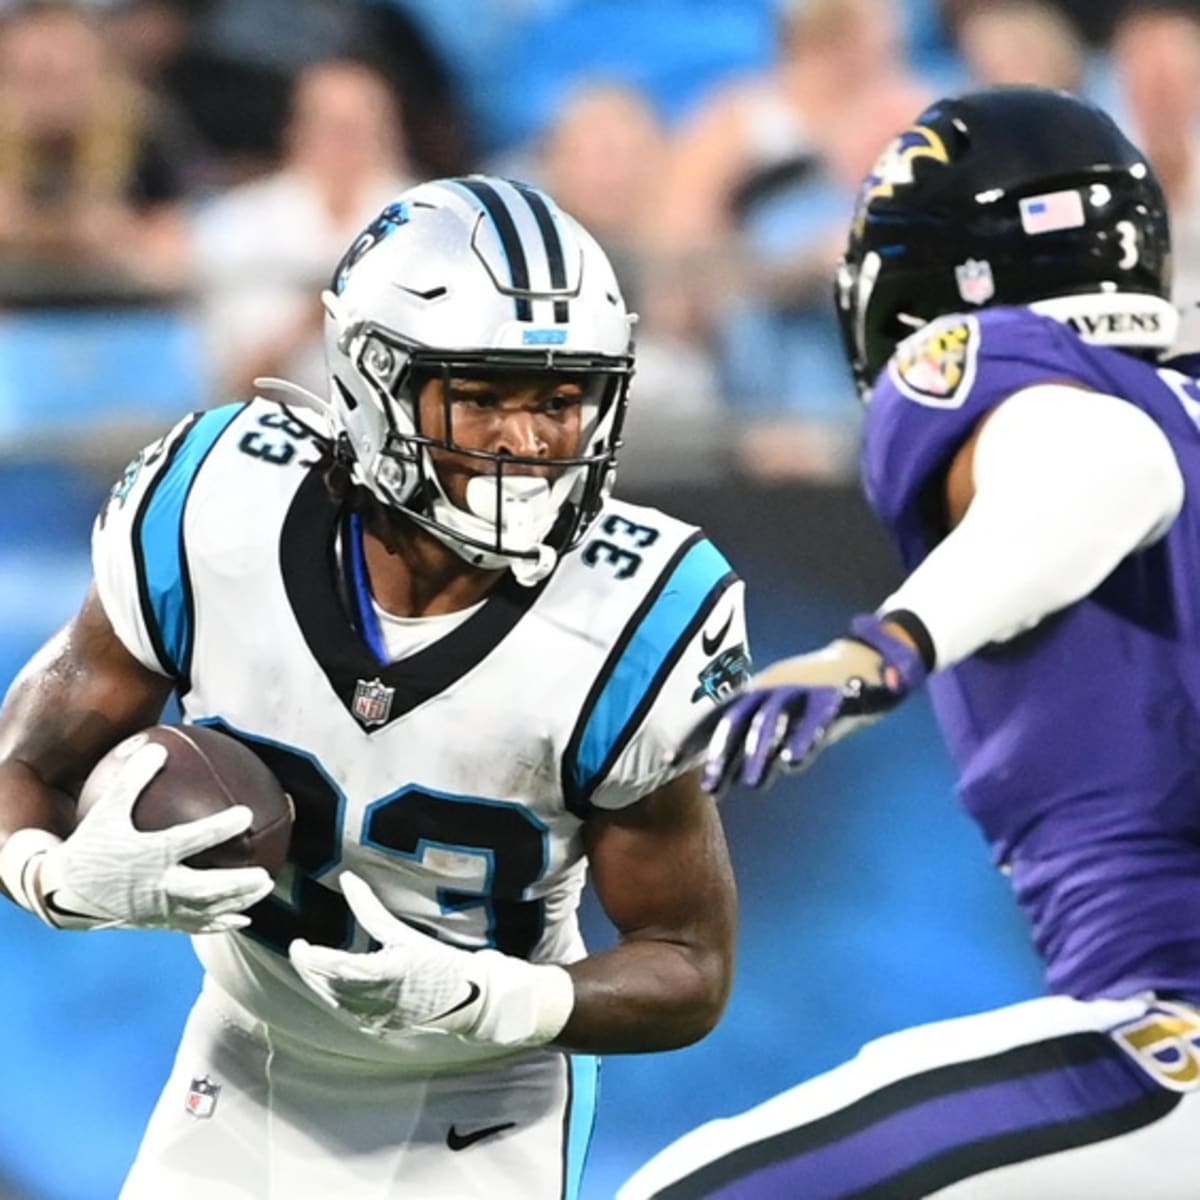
[(1008, 196)]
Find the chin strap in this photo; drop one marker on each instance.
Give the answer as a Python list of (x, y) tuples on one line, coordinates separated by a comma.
[(528, 573)]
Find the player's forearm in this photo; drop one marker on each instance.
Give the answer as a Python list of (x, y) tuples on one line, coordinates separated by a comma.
[(27, 804), (646, 996), (1067, 484)]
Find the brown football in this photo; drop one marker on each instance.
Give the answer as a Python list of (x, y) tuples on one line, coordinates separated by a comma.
[(206, 771)]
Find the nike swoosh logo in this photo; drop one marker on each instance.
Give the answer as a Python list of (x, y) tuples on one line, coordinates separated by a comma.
[(432, 294), (471, 996), (460, 1141), (59, 910), (710, 645)]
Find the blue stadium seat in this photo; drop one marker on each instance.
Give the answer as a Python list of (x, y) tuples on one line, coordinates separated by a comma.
[(71, 373)]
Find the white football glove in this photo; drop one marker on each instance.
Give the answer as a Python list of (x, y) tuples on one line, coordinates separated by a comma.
[(110, 875), (416, 982)]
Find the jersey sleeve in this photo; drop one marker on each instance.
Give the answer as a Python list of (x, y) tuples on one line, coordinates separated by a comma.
[(941, 381), (684, 651), (138, 556)]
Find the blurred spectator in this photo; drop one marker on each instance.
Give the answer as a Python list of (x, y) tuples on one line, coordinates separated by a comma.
[(89, 181), (1091, 20), (439, 138), (263, 250), (249, 52), (601, 161), (1020, 42), (1157, 55), (148, 38), (758, 194), (228, 66), (840, 76)]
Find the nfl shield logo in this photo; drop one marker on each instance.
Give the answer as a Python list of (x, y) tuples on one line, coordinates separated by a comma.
[(372, 703), (202, 1097), (975, 282)]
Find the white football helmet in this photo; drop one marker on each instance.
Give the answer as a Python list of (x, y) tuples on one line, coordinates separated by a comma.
[(477, 276)]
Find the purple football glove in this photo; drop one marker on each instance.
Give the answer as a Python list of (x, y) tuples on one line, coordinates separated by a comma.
[(799, 705)]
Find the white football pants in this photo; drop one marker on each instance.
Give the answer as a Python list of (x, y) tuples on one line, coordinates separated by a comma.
[(1053, 1099), (242, 1119)]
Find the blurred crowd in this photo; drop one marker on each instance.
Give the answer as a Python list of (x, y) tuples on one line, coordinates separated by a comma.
[(216, 156)]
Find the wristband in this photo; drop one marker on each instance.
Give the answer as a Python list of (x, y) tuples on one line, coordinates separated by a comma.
[(915, 628), (902, 667), (19, 866), (527, 1004)]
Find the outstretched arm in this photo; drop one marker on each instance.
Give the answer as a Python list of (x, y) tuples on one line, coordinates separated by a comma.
[(1046, 497)]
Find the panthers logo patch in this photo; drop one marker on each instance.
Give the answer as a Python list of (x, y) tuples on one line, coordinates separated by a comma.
[(936, 365), (724, 675)]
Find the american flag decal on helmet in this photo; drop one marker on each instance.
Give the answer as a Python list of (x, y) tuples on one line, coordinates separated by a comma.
[(372, 703)]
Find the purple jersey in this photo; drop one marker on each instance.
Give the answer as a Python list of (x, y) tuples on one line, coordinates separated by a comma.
[(1078, 743)]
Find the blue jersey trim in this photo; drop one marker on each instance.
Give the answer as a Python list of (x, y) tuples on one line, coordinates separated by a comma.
[(360, 590), (659, 634), (583, 1073), (161, 554)]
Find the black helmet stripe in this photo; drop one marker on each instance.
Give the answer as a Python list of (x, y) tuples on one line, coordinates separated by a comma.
[(510, 240), (553, 244)]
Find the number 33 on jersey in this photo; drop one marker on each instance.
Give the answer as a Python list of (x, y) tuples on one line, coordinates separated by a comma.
[(455, 780)]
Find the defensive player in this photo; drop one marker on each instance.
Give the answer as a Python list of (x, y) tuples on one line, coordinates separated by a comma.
[(468, 666), (1004, 299)]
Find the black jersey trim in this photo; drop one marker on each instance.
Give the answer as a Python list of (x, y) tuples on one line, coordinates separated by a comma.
[(160, 550), (149, 617), (311, 576), (565, 1149), (579, 1119)]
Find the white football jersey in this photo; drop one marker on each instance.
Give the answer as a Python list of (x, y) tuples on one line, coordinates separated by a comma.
[(456, 781)]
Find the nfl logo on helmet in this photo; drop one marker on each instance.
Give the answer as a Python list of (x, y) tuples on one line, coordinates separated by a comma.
[(202, 1097), (976, 285), (372, 701)]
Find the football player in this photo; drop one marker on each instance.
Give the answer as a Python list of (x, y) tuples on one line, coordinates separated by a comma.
[(468, 665), (1005, 304)]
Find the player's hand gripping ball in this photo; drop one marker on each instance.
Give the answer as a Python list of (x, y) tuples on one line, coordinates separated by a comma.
[(205, 772), (179, 828)]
